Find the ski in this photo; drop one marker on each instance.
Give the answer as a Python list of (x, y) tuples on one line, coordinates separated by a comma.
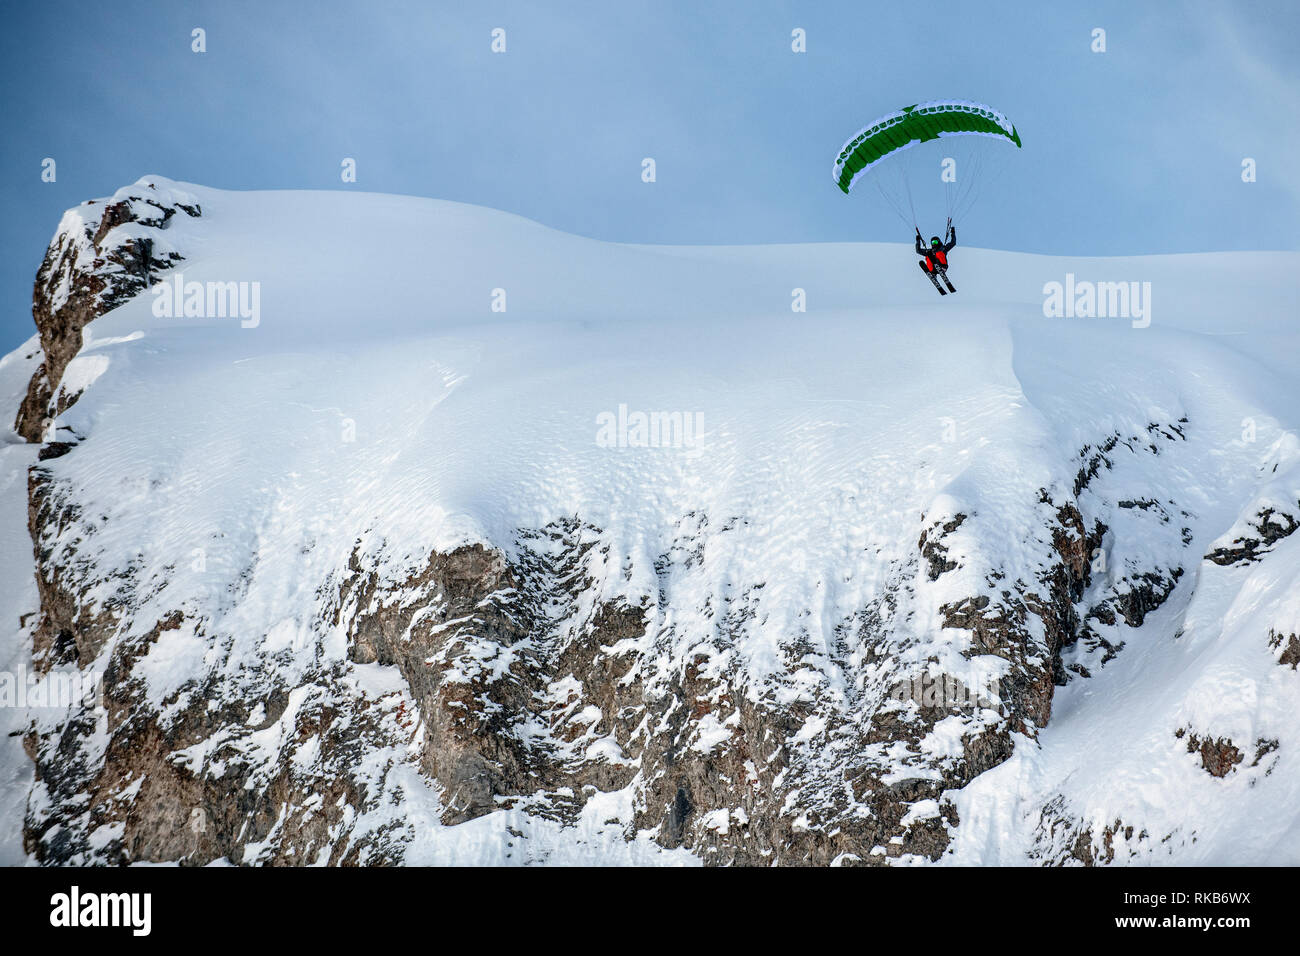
[(934, 280), (951, 287)]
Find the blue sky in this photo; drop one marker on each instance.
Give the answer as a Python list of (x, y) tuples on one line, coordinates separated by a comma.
[(1136, 150)]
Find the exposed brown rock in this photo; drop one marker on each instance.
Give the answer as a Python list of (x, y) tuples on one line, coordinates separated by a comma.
[(1271, 527), (1290, 656), (83, 276), (1219, 756), (932, 548)]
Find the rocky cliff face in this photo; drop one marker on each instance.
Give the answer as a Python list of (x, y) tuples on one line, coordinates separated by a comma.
[(532, 690), (521, 676), (105, 252), (521, 688)]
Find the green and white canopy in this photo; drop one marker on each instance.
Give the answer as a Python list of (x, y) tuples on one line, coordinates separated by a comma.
[(915, 124)]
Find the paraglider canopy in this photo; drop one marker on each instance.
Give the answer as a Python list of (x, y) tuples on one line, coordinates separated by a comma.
[(916, 124)]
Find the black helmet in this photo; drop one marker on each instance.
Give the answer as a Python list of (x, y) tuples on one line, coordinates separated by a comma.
[(934, 241)]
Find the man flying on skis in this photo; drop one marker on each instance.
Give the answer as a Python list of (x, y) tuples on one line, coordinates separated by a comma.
[(935, 263)]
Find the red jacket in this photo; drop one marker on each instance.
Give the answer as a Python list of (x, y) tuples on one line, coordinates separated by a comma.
[(939, 254)]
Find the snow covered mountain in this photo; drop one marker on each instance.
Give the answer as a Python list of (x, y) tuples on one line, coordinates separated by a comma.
[(408, 531)]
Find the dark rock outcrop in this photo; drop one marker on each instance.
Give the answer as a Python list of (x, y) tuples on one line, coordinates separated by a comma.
[(91, 267), (1269, 525), (1290, 656), (1219, 755)]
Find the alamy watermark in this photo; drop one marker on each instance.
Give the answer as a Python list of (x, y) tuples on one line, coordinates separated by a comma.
[(946, 692), (177, 299), (636, 429), (56, 689), (75, 908), (1098, 300)]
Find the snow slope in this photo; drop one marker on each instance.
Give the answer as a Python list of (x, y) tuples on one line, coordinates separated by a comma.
[(381, 404)]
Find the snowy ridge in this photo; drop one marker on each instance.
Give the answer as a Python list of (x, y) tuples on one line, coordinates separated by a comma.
[(103, 253), (367, 583)]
